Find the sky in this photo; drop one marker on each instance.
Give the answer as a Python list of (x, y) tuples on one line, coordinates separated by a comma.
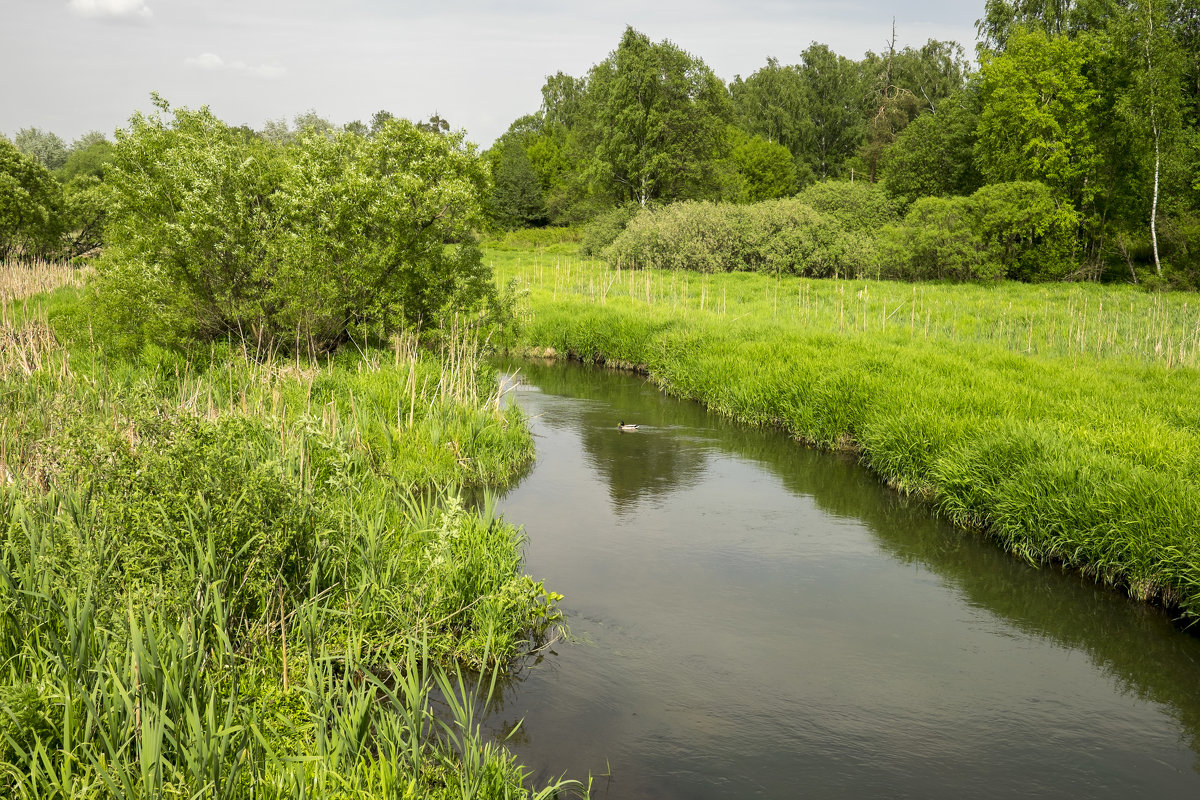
[(72, 66)]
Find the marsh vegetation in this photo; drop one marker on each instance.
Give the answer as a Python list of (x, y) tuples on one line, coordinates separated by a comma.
[(233, 568)]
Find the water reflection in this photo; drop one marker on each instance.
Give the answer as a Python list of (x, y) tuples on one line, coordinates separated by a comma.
[(765, 617)]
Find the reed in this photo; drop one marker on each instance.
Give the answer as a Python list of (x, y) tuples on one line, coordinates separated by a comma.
[(20, 278)]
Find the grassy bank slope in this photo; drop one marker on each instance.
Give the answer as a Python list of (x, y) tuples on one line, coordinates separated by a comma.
[(230, 574), (1082, 449)]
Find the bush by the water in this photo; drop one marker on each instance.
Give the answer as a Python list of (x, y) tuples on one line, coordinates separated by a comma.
[(215, 231)]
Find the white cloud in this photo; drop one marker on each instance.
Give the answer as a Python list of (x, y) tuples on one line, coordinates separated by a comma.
[(206, 61), (212, 61), (110, 8)]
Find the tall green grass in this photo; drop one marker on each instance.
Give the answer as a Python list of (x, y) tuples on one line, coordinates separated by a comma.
[(1082, 321), (227, 573), (1016, 410)]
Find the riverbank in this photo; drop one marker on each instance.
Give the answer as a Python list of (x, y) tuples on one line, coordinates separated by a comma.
[(229, 573), (1066, 435)]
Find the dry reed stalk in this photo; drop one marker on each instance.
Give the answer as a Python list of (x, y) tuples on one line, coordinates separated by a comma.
[(20, 279)]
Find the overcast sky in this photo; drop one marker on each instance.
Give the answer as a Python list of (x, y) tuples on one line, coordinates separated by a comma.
[(70, 66)]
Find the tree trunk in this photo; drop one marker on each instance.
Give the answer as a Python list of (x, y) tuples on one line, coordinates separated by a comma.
[(1154, 204), (1154, 129)]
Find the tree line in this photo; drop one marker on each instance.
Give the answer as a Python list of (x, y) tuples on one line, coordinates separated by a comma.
[(1095, 101), (1083, 115)]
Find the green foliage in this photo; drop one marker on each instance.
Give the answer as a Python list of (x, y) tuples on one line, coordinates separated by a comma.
[(857, 206), (1029, 233), (835, 110), (1018, 231), (161, 472), (1004, 19), (780, 236), (28, 716), (45, 147), (547, 239), (29, 204), (605, 228), (516, 200), (83, 216), (90, 155), (933, 156), (904, 85), (654, 117), (816, 109), (770, 104), (938, 240), (765, 170), (1095, 99), (1037, 119), (234, 576), (214, 232)]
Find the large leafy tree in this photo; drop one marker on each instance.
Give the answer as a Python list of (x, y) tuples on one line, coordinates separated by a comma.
[(770, 103), (934, 154), (653, 121), (1037, 118), (517, 200), (89, 155), (1002, 18), (836, 100)]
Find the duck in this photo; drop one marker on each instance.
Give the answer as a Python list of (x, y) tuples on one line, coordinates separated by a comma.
[(621, 426)]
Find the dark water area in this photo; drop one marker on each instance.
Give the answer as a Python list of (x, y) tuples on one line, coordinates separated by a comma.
[(755, 619)]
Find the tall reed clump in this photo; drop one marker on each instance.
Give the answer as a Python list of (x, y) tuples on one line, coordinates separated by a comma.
[(21, 278), (1091, 462), (230, 573)]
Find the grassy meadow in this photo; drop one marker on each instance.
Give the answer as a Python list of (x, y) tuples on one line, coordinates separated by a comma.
[(231, 573), (1060, 419)]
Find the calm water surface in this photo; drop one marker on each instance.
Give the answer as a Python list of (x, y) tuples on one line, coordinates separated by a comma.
[(754, 619)]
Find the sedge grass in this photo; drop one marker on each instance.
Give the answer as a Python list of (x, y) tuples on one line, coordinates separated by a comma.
[(232, 574), (1073, 438)]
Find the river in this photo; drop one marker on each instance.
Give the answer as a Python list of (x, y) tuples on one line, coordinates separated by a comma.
[(751, 618)]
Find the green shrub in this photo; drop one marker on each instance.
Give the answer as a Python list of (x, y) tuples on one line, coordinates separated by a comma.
[(1005, 230), (216, 232), (1029, 233), (938, 240), (854, 205), (765, 170), (783, 237), (535, 238), (604, 229)]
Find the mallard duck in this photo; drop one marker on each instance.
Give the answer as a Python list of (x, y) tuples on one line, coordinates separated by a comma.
[(621, 426)]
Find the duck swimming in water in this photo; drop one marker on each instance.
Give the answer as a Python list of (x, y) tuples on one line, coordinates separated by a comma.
[(621, 426)]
